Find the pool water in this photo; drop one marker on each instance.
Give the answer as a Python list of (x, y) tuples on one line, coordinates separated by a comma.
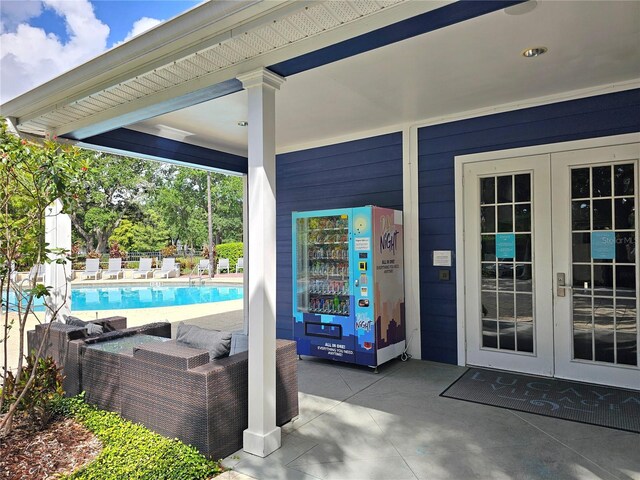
[(119, 298)]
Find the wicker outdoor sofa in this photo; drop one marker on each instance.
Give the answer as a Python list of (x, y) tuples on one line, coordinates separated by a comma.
[(170, 388), (65, 343)]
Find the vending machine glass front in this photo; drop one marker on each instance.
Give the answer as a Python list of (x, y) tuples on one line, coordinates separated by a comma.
[(322, 270)]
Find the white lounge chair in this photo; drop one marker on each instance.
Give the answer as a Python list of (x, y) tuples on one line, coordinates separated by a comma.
[(91, 269), (203, 266), (114, 270), (223, 264), (168, 269), (144, 269), (240, 264)]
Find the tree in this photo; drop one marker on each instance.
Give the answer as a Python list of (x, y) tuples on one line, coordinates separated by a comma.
[(182, 202), (115, 188), (31, 178), (227, 207), (147, 235)]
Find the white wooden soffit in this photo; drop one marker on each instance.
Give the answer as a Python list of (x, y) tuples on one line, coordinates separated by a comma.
[(203, 47)]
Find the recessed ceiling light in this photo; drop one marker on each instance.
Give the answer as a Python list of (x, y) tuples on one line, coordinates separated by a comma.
[(534, 52), (243, 123), (521, 8)]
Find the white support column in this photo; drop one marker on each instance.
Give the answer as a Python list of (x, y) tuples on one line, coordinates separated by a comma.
[(245, 253), (263, 436), (411, 239), (58, 276)]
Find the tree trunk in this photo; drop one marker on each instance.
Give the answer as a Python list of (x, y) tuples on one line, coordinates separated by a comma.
[(86, 236)]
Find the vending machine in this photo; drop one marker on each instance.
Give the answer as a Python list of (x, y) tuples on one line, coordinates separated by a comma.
[(348, 284)]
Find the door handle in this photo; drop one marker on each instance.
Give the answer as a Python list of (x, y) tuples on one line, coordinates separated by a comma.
[(562, 285)]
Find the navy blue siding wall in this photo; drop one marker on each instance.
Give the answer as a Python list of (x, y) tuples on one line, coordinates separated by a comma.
[(351, 174), (592, 117)]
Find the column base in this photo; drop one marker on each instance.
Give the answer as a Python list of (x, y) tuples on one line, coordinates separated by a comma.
[(259, 444)]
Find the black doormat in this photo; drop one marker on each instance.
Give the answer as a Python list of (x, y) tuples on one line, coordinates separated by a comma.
[(579, 402)]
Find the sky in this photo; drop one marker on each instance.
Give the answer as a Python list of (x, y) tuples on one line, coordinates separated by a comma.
[(40, 39)]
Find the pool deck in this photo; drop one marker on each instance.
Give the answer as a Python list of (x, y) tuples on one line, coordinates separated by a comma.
[(220, 278)]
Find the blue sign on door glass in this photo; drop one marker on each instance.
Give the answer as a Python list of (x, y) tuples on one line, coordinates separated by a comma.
[(603, 245), (505, 245)]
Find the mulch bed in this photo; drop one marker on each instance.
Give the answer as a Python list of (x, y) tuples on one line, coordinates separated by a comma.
[(62, 447)]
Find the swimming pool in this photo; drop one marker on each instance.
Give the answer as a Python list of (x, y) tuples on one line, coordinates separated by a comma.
[(119, 298)]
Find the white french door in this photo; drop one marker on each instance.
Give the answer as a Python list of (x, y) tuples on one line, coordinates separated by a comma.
[(508, 264), (595, 228), (551, 273)]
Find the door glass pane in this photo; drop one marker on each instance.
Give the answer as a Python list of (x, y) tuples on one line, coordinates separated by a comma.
[(582, 344), (505, 218), (488, 190), (581, 215), (602, 219), (507, 335), (488, 219), (625, 247), (604, 346), (580, 185), (581, 247), (601, 178), (624, 180), (523, 188), (524, 337), (625, 213), (488, 248), (506, 310), (508, 318), (523, 217), (605, 316), (505, 189), (489, 334)]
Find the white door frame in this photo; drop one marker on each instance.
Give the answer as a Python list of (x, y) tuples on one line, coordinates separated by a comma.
[(459, 163)]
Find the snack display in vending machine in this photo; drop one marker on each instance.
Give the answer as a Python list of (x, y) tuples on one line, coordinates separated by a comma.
[(348, 284)]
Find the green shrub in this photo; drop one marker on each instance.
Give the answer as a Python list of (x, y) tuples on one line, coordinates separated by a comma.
[(232, 251), (131, 451), (187, 263), (169, 251), (37, 406)]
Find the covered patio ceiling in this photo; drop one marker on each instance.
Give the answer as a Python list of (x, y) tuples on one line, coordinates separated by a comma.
[(471, 65)]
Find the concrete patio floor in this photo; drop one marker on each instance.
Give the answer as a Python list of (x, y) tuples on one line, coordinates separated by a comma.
[(355, 424)]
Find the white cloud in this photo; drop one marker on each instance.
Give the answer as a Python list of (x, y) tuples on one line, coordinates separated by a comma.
[(29, 56), (140, 26), (14, 12)]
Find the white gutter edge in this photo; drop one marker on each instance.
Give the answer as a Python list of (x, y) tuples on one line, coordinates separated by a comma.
[(176, 38)]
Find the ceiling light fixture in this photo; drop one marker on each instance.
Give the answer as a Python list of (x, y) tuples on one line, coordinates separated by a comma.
[(243, 123), (534, 52)]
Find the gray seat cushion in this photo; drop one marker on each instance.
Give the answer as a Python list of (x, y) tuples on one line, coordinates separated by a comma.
[(239, 343), (92, 328), (217, 343)]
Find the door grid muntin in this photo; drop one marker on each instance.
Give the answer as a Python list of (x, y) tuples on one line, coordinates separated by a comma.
[(507, 296), (604, 308)]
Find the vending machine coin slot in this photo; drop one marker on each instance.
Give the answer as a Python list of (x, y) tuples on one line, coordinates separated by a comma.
[(362, 266)]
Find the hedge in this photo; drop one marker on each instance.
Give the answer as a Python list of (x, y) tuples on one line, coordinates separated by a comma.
[(133, 452), (232, 251)]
